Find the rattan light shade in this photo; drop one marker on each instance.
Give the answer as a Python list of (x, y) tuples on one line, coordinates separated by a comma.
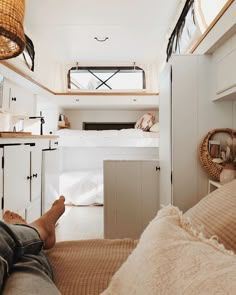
[(12, 37)]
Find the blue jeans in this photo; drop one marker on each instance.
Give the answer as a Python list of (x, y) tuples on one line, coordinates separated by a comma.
[(24, 268)]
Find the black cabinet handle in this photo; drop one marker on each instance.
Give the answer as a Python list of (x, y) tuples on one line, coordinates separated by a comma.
[(35, 175), (13, 98), (56, 142), (158, 168), (29, 177)]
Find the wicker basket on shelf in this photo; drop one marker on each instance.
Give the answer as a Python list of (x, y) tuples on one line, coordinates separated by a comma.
[(212, 168)]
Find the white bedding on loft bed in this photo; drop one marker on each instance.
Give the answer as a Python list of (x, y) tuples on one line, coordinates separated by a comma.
[(108, 138), (83, 153)]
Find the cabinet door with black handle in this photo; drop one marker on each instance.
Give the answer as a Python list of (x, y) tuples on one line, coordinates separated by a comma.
[(17, 178)]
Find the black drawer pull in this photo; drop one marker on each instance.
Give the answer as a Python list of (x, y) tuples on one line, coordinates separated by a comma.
[(29, 177), (35, 175), (158, 168), (13, 98), (56, 142)]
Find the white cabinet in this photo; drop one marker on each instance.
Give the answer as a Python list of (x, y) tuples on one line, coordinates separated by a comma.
[(224, 74), (186, 114), (22, 180), (131, 197), (17, 100), (50, 178)]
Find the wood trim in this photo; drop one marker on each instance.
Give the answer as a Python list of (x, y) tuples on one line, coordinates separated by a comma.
[(104, 93), (22, 74), (213, 23)]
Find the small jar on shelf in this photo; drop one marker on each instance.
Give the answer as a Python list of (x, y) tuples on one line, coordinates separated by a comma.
[(63, 122)]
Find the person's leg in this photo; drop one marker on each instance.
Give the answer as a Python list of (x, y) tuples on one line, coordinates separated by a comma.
[(20, 247), (31, 275)]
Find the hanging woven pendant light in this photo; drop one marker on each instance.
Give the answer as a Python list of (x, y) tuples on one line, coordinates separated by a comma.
[(12, 37)]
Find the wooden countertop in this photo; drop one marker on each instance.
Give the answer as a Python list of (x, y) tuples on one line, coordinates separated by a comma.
[(25, 135)]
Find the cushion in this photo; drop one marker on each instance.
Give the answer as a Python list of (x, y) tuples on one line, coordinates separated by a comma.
[(173, 258), (145, 122), (215, 215), (155, 127)]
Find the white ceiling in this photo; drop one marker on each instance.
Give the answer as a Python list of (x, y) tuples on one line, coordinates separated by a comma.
[(138, 30)]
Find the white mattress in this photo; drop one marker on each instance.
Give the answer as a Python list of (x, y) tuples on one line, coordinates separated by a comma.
[(108, 138)]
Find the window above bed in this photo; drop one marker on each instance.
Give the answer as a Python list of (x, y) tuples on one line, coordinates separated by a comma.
[(106, 78)]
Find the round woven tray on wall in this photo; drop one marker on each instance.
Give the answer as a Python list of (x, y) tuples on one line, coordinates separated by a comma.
[(213, 169)]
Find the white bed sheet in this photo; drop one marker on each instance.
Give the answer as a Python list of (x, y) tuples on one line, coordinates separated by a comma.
[(108, 138)]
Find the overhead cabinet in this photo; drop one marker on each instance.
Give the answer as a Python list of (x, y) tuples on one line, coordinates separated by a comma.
[(224, 71), (17, 100)]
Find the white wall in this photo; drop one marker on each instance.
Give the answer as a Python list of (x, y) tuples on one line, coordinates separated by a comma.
[(77, 117), (49, 110), (5, 122)]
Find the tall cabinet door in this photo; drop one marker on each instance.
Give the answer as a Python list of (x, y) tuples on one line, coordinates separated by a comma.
[(36, 163), (165, 150), (50, 178), (16, 178), (33, 210)]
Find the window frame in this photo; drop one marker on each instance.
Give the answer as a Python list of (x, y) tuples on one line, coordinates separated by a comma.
[(211, 25), (116, 68)]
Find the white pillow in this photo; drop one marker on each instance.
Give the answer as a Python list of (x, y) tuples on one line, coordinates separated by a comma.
[(155, 127)]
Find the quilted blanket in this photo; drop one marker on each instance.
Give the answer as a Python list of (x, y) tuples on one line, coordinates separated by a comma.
[(85, 267), (173, 258)]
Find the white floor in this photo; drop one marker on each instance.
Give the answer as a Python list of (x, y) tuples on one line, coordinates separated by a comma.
[(80, 223)]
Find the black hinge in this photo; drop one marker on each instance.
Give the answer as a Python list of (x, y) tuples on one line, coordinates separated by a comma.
[(2, 162), (2, 203)]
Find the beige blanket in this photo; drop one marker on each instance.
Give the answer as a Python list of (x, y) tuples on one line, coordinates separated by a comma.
[(173, 259), (85, 267)]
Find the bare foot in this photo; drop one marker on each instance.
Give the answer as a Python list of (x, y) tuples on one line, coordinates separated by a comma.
[(45, 225), (13, 218)]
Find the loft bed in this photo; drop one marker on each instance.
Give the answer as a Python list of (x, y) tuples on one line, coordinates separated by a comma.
[(83, 152), (108, 138), (191, 253)]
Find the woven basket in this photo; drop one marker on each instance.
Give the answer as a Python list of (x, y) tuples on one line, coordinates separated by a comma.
[(12, 37), (213, 169)]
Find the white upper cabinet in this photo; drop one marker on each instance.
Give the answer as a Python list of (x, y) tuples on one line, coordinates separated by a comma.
[(17, 100), (226, 73), (224, 70)]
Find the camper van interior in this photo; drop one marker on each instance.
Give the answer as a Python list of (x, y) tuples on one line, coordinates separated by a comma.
[(128, 109)]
